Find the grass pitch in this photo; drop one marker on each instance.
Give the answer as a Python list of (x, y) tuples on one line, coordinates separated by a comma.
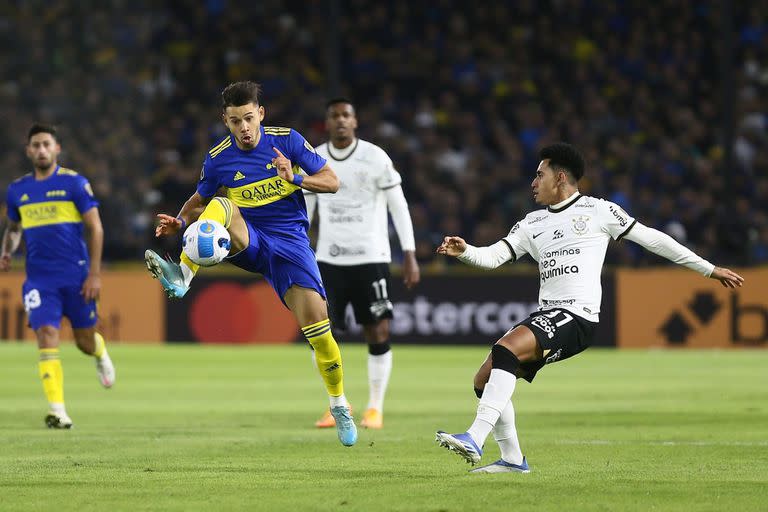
[(230, 428)]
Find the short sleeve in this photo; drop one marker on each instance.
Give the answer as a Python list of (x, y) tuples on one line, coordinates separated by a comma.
[(83, 196), (614, 220), (13, 206), (209, 181), (303, 154), (517, 241), (389, 176)]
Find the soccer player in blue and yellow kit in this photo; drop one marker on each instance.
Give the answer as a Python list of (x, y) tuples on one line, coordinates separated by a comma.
[(265, 214), (49, 208)]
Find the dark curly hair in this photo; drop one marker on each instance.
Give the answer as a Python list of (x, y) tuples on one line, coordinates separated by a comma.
[(43, 128), (564, 156), (238, 94)]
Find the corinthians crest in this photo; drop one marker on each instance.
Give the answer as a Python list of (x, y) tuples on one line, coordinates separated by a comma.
[(579, 224)]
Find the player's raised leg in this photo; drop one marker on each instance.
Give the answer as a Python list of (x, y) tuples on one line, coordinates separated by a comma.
[(311, 312), (177, 277), (92, 343), (52, 376)]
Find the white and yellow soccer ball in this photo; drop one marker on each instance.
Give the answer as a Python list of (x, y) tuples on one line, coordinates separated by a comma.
[(206, 242)]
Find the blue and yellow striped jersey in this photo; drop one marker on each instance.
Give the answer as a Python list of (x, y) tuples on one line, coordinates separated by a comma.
[(252, 183), (50, 212)]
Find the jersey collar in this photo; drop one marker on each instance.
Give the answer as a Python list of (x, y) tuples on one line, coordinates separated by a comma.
[(54, 173), (343, 153), (562, 205)]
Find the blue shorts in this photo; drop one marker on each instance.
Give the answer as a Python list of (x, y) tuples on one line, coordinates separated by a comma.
[(283, 259), (45, 304)]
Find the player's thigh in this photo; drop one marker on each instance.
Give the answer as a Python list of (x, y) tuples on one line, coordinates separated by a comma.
[(238, 231), (81, 313), (43, 305), (522, 342), (336, 291), (307, 305), (369, 293)]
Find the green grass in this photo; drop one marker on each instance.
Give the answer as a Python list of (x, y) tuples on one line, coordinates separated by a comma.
[(230, 428)]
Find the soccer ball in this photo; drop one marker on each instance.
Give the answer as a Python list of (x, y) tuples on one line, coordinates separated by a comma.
[(206, 242)]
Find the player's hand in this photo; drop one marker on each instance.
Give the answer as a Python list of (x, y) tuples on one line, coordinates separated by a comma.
[(727, 278), (5, 262), (167, 226), (283, 165), (411, 273), (91, 287), (452, 246)]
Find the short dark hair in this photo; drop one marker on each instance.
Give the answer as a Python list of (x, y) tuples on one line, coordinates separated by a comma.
[(337, 100), (238, 94), (43, 128), (564, 156)]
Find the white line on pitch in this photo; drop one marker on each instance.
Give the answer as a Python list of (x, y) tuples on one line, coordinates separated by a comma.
[(664, 443)]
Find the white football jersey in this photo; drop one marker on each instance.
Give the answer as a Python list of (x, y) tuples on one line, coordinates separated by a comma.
[(569, 243), (354, 227)]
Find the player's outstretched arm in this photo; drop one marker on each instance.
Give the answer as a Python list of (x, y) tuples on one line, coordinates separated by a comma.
[(484, 257), (189, 213), (666, 247), (11, 241)]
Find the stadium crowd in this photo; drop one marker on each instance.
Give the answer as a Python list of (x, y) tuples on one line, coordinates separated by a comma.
[(460, 97)]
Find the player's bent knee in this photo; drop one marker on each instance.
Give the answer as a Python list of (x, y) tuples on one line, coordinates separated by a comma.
[(238, 234), (522, 343), (504, 359), (47, 336)]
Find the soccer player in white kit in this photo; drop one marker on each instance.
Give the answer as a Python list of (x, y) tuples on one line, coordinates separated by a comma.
[(569, 240), (353, 244)]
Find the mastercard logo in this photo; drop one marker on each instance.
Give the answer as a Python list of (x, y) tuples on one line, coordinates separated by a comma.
[(227, 312)]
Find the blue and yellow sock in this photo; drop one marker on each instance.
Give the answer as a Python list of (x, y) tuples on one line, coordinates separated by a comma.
[(327, 356), (52, 375)]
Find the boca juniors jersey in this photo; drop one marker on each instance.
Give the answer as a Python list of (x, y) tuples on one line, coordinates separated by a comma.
[(265, 199), (50, 213)]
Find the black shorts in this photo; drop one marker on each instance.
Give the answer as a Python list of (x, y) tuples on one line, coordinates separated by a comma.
[(560, 334), (365, 286)]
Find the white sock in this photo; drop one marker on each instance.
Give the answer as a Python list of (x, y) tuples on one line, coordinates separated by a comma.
[(338, 400), (379, 369), (505, 434), (187, 273), (57, 408), (496, 395)]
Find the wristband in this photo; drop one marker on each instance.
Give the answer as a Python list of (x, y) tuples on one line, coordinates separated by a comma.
[(183, 223), (297, 179)]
